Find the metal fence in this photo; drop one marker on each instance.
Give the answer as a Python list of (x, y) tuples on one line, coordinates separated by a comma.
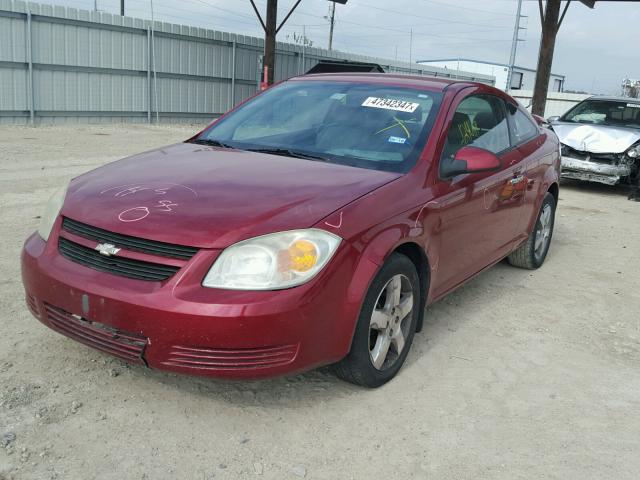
[(60, 64)]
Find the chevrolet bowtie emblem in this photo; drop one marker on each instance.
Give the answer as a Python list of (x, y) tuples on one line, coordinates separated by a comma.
[(107, 249)]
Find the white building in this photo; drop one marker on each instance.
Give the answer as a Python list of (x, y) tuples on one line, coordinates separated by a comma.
[(522, 79)]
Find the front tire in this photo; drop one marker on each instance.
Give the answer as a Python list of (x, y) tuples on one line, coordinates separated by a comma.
[(532, 253), (386, 325)]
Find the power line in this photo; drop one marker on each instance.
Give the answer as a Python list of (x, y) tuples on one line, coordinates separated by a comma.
[(222, 9), (413, 15), (170, 12), (439, 35), (460, 7)]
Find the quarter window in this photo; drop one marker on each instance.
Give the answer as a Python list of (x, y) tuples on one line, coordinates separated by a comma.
[(522, 128)]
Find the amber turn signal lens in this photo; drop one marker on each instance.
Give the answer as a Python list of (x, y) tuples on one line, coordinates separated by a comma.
[(303, 255)]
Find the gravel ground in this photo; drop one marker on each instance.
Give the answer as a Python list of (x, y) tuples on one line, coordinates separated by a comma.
[(517, 375)]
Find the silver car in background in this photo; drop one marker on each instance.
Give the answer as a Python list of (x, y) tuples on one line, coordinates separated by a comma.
[(600, 140)]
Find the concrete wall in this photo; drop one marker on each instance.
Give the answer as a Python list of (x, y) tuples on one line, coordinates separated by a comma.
[(557, 103), (62, 65), (500, 72)]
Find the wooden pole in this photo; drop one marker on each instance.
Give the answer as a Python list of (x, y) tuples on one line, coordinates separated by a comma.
[(270, 40), (271, 29), (550, 26)]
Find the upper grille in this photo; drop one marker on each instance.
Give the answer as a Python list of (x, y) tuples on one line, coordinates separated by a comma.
[(151, 247), (609, 158), (125, 267), (126, 345)]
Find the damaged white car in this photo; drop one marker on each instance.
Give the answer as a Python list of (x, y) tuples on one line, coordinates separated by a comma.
[(600, 140)]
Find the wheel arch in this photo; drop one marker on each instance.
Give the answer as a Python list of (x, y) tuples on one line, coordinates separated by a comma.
[(414, 252), (554, 189), (395, 238)]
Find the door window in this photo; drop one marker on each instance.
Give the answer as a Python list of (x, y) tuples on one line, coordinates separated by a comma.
[(522, 127), (478, 121)]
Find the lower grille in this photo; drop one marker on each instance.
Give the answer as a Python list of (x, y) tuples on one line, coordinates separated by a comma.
[(125, 345), (33, 305), (125, 267), (227, 359)]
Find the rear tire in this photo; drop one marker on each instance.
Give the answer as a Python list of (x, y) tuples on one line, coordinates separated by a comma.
[(386, 325), (532, 253)]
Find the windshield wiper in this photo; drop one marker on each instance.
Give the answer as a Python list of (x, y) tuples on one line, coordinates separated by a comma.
[(212, 143), (286, 152)]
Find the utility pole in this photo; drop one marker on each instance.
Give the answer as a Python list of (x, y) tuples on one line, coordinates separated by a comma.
[(551, 20), (271, 29), (514, 46), (304, 48), (332, 20), (410, 48), (270, 41), (122, 7)]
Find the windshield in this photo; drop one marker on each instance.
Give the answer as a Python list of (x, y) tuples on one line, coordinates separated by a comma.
[(605, 112), (363, 125)]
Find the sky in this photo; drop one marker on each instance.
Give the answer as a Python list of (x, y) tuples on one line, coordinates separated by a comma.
[(595, 49)]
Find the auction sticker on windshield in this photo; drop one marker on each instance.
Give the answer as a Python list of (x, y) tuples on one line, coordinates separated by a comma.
[(390, 104)]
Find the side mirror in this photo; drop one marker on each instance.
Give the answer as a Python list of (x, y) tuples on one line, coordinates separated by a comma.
[(540, 120), (471, 160), (555, 118)]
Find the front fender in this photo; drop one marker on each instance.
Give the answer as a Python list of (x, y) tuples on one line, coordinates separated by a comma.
[(375, 247)]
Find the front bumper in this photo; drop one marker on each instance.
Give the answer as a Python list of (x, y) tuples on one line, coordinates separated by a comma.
[(180, 326), (606, 173)]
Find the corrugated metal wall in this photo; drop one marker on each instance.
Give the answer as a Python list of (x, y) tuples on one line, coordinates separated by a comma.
[(62, 64)]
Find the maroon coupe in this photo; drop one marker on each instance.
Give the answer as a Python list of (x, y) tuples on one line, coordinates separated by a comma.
[(309, 226)]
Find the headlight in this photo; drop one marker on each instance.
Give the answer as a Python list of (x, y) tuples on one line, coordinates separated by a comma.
[(274, 261), (51, 212), (564, 150), (634, 152)]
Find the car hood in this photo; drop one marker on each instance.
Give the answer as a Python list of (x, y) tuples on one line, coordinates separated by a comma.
[(596, 138), (213, 197)]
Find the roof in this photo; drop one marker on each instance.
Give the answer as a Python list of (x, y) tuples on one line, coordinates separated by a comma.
[(484, 62), (434, 83), (614, 99)]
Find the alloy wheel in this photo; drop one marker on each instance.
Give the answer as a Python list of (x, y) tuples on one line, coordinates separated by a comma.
[(390, 322), (543, 231)]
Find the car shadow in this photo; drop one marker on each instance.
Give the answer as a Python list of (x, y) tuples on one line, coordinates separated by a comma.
[(442, 319), (596, 188)]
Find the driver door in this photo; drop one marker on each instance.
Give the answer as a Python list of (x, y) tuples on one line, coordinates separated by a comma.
[(478, 212)]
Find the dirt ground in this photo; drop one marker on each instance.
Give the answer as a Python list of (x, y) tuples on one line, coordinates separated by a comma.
[(517, 375)]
